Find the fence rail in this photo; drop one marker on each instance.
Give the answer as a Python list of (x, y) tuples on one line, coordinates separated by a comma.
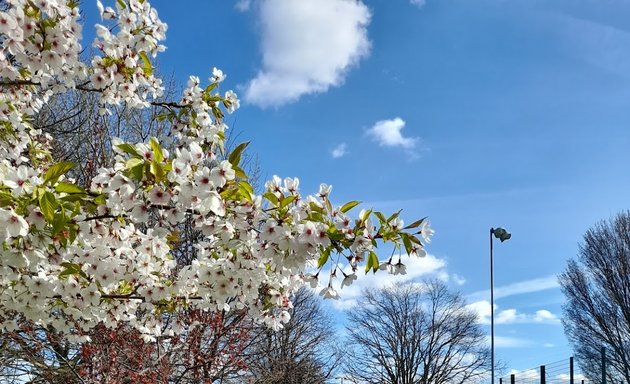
[(559, 372)]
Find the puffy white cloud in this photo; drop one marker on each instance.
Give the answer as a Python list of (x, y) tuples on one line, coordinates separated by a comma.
[(339, 151), (308, 46), (388, 133), (511, 315), (417, 267)]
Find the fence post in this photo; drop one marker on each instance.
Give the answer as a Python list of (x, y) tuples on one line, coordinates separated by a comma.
[(543, 378), (512, 379), (571, 370)]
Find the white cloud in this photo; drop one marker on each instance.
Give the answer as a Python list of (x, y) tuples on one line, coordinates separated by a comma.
[(457, 279), (308, 46), (416, 267), (521, 287), (243, 5), (564, 378), (600, 45), (339, 151), (510, 342), (511, 315), (418, 3), (387, 133)]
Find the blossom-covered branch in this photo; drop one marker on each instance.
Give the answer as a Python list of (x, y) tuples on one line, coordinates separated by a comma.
[(79, 257)]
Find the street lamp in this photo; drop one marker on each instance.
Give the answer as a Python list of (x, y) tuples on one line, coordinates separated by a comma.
[(502, 235)]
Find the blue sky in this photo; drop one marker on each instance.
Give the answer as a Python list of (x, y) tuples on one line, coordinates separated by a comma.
[(474, 113)]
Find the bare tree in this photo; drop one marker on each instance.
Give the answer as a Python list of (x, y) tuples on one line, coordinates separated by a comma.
[(304, 351), (597, 290), (415, 334)]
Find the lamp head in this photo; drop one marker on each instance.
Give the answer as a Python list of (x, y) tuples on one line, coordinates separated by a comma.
[(501, 234)]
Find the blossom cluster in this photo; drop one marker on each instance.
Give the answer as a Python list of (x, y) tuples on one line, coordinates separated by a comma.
[(75, 257)]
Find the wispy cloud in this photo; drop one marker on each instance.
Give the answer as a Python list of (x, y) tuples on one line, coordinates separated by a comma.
[(600, 45), (339, 151), (308, 46), (519, 288), (510, 342), (243, 5), (511, 315), (418, 3), (388, 133)]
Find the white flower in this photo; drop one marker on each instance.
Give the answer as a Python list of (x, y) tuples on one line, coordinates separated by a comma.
[(348, 279), (12, 224), (217, 75), (397, 269), (311, 279), (20, 180), (425, 231), (329, 293), (157, 196), (220, 174)]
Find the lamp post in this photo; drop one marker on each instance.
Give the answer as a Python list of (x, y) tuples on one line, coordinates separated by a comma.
[(502, 235)]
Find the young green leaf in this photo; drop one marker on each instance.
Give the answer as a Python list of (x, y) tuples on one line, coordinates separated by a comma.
[(157, 150), (235, 155), (349, 205), (147, 68), (48, 205), (415, 224), (68, 188), (54, 172)]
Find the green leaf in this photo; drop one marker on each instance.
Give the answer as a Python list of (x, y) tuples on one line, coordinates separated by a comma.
[(235, 155), (287, 200), (68, 188), (138, 171), (54, 172), (323, 258), (406, 242), (157, 170), (157, 150), (69, 269), (100, 199), (147, 68), (5, 199), (239, 173), (48, 205), (372, 262), (58, 222), (415, 224), (315, 208), (349, 205), (394, 216), (122, 4), (130, 149), (133, 162), (381, 217), (246, 190), (273, 199), (125, 287)]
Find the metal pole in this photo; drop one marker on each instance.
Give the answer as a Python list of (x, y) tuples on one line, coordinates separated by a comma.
[(571, 374), (491, 307), (543, 375), (603, 365)]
